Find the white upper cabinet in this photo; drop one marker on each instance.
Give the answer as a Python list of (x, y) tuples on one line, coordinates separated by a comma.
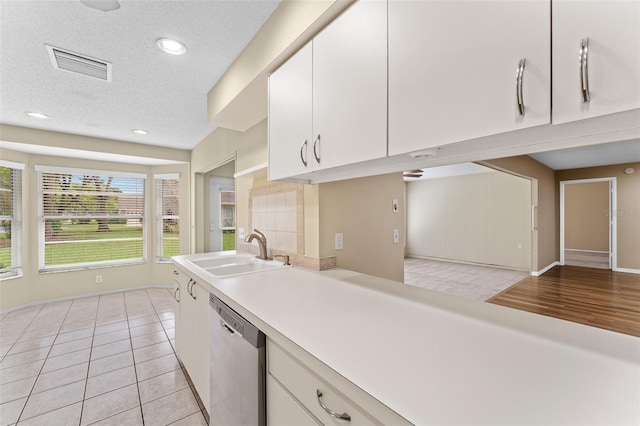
[(350, 86), (596, 58), (328, 103), (463, 70), (290, 119)]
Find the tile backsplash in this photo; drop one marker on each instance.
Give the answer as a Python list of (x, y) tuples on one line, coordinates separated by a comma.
[(277, 211)]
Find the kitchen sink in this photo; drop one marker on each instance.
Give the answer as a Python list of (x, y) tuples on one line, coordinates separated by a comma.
[(223, 264)]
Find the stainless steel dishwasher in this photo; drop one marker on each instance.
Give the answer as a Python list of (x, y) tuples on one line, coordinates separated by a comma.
[(238, 369)]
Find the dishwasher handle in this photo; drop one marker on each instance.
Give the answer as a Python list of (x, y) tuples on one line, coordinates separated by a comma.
[(226, 327), (237, 323)]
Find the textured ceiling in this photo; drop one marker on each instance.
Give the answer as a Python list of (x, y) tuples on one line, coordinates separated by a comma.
[(150, 89)]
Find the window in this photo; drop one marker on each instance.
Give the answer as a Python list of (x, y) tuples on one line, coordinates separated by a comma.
[(168, 216), (89, 218), (10, 218)]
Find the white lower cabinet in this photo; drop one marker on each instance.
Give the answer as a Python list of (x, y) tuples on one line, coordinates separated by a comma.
[(310, 390), (193, 339)]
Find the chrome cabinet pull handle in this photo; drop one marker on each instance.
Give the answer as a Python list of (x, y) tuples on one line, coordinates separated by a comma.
[(189, 287), (303, 158), (343, 416), (192, 292), (584, 69), (176, 273), (519, 96), (315, 152), (175, 294)]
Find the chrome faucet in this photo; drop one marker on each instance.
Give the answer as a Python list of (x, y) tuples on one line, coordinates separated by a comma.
[(262, 243)]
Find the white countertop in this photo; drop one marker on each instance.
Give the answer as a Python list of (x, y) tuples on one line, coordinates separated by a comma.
[(440, 359)]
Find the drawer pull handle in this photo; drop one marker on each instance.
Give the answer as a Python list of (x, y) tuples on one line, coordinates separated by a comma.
[(176, 273), (175, 295), (343, 416)]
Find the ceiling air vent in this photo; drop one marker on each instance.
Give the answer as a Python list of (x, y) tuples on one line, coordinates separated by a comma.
[(80, 64)]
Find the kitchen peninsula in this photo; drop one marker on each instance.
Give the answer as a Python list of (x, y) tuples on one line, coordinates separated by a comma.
[(429, 358)]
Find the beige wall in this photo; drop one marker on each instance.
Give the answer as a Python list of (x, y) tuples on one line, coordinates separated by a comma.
[(34, 286), (586, 219), (361, 210), (480, 218), (545, 242), (627, 209)]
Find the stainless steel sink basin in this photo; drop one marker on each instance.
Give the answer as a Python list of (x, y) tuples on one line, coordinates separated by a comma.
[(223, 264)]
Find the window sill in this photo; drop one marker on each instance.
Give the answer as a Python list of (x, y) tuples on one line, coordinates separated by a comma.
[(77, 268)]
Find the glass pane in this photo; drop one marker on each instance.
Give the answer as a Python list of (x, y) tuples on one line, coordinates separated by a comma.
[(5, 246), (227, 209), (170, 238), (92, 240), (228, 240)]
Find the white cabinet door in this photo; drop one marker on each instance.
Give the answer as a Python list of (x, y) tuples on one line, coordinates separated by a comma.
[(192, 336), (612, 61), (181, 281), (453, 65), (350, 86), (290, 116)]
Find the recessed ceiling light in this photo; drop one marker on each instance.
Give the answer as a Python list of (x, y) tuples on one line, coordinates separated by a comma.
[(140, 132), (37, 115), (171, 46)]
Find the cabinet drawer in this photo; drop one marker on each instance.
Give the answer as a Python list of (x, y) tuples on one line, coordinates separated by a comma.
[(303, 384), (283, 409)]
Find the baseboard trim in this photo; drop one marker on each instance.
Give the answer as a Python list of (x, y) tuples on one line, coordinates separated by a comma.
[(463, 262), (545, 269), (627, 270), (81, 296)]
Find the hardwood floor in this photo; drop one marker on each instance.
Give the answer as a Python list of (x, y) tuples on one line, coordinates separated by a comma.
[(595, 297)]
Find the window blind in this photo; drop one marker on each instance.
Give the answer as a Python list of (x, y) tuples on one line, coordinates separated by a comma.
[(10, 219), (168, 216), (90, 218)]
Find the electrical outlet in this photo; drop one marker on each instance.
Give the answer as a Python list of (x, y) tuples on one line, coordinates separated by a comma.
[(98, 279), (396, 236), (339, 241), (519, 246), (241, 233), (395, 206)]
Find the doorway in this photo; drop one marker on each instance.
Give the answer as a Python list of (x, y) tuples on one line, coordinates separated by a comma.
[(588, 223), (222, 211)]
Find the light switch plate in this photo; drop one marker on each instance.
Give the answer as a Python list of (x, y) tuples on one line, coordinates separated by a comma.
[(395, 206), (241, 233), (339, 241)]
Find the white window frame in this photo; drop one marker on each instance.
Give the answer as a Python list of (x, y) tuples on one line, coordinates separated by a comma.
[(41, 219), (15, 218), (158, 178)]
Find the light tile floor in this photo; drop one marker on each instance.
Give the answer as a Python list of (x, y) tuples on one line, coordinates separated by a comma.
[(106, 360)]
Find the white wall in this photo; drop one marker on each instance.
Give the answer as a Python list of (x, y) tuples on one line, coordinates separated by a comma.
[(479, 218)]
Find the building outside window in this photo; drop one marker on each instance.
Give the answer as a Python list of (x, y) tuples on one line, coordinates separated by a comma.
[(10, 219), (168, 216), (90, 218)]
